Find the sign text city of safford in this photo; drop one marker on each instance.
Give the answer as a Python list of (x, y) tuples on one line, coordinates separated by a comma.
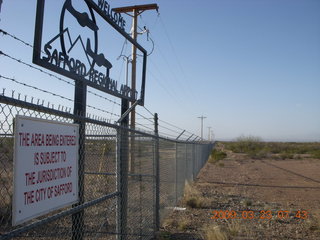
[(94, 68)]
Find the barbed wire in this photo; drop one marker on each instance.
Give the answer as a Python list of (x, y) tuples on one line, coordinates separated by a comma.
[(72, 84), (170, 124), (145, 118), (43, 103), (45, 72), (16, 38), (54, 76), (102, 110), (167, 135), (176, 129), (109, 100), (53, 94), (160, 126), (36, 88), (36, 68), (144, 126)]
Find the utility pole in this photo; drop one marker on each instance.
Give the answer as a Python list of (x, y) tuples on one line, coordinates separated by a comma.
[(209, 136), (135, 12), (202, 117)]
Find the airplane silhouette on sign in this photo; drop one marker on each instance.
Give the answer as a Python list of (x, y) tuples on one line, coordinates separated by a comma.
[(82, 18), (99, 58)]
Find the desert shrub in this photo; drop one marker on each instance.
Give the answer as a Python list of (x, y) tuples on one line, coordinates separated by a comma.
[(193, 198), (245, 144), (253, 146), (316, 154), (193, 202), (217, 155), (292, 147), (247, 203), (256, 149), (286, 156), (259, 154)]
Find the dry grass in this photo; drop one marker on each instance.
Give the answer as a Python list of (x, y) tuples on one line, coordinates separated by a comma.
[(183, 225), (193, 198), (314, 222), (232, 229), (169, 222), (214, 232)]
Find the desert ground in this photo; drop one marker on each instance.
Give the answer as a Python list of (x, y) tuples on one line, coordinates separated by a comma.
[(250, 196)]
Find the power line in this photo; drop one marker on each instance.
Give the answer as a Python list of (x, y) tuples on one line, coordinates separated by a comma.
[(158, 81), (176, 56), (148, 111)]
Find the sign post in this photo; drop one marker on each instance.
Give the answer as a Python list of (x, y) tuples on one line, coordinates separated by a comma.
[(80, 96)]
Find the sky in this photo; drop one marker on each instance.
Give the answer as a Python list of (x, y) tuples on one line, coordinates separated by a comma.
[(251, 67)]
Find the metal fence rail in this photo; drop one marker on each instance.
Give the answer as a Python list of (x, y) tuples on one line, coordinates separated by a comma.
[(116, 202)]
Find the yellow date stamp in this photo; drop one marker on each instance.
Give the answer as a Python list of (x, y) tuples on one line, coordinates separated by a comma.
[(262, 214)]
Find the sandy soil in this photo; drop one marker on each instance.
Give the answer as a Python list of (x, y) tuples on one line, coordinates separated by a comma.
[(241, 184)]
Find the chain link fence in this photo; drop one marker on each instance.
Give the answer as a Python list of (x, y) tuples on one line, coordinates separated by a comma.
[(126, 188)]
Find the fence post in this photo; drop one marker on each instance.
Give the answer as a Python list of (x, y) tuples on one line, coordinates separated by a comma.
[(176, 174), (157, 175), (195, 159), (80, 99), (186, 168), (122, 173)]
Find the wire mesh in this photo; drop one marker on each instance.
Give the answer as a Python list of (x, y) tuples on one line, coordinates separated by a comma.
[(104, 211), (167, 158), (141, 187)]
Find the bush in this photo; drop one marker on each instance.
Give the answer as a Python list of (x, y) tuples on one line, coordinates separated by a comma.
[(316, 154), (193, 202), (217, 155), (193, 198), (248, 144), (286, 156), (256, 149)]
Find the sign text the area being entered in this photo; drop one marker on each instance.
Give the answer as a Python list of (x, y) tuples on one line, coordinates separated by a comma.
[(45, 167)]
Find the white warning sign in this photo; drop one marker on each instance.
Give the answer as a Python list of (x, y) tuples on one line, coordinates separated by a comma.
[(45, 167)]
